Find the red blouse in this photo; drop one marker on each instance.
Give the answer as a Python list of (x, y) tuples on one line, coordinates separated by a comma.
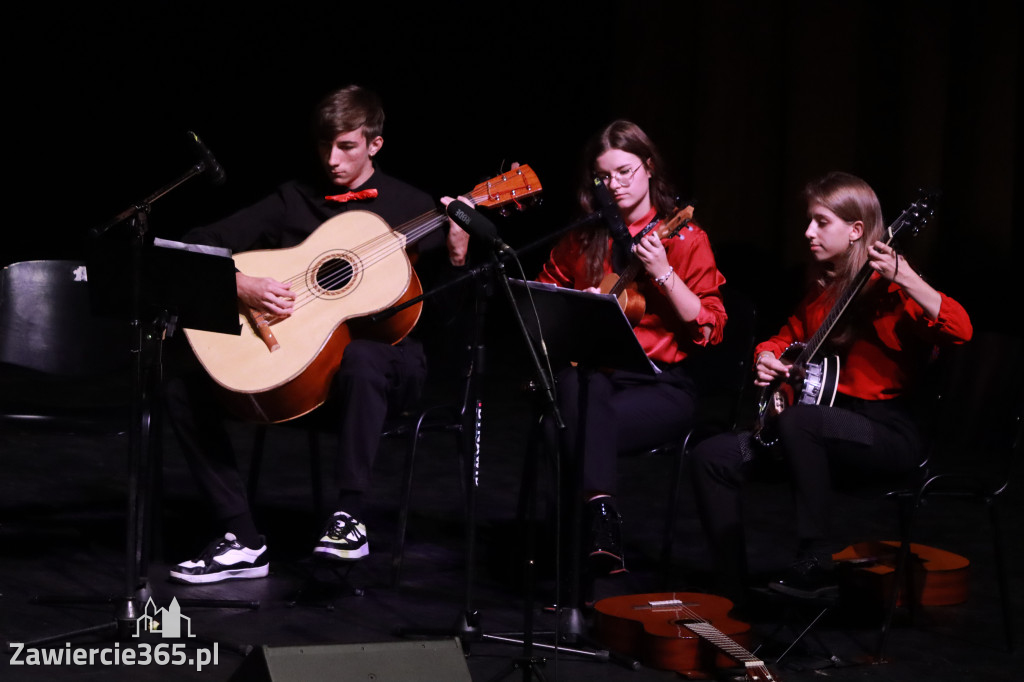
[(882, 362), (663, 336)]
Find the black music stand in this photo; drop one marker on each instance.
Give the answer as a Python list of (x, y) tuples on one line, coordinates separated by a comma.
[(591, 330), (578, 326), (156, 288)]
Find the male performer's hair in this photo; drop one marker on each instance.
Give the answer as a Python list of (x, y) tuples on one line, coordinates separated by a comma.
[(348, 109)]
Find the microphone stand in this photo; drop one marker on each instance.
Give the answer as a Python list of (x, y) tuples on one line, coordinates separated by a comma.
[(467, 628), (130, 604)]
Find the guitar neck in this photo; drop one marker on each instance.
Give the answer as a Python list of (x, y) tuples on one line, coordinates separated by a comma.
[(628, 274), (755, 667), (840, 307), (725, 644), (421, 226), (511, 187), (668, 229), (844, 300)]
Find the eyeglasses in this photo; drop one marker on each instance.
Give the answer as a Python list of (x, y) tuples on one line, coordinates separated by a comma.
[(623, 177)]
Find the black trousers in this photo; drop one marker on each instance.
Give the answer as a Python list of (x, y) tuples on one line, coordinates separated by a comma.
[(374, 380), (857, 443), (608, 413)]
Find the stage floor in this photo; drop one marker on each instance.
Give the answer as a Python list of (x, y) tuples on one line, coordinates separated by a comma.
[(62, 531)]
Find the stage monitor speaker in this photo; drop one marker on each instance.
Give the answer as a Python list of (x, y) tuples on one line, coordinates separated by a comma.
[(412, 661)]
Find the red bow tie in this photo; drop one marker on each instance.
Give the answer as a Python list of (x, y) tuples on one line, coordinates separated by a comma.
[(353, 196)]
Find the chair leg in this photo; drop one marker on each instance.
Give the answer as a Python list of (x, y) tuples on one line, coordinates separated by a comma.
[(672, 510), (1004, 583), (398, 551), (902, 576)]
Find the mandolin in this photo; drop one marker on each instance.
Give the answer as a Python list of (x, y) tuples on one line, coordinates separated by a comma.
[(350, 267), (623, 285), (687, 632), (815, 382)]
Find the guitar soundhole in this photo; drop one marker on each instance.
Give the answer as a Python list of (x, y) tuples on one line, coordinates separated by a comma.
[(334, 274)]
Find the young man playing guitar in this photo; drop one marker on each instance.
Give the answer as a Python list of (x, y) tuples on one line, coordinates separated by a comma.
[(868, 432), (375, 377)]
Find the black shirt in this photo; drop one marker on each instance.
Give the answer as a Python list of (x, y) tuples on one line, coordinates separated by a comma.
[(289, 215)]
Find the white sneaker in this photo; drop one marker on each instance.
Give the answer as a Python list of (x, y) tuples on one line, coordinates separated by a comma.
[(223, 559), (344, 538)]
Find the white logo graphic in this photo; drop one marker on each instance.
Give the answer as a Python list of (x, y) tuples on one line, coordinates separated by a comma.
[(81, 274), (165, 621)]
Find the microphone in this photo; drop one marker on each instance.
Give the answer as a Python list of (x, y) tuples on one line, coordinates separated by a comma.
[(609, 211), (476, 224), (209, 163)]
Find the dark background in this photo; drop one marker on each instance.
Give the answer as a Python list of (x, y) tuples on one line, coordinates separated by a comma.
[(747, 102)]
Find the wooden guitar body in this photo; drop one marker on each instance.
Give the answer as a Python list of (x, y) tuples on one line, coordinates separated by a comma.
[(682, 631), (632, 302), (352, 266), (333, 282), (937, 577)]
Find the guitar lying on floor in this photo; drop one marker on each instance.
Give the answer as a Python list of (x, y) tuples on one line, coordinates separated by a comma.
[(672, 631), (815, 383), (351, 266)]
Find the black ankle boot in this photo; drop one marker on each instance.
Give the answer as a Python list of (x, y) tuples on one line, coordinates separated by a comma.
[(809, 577), (604, 530)]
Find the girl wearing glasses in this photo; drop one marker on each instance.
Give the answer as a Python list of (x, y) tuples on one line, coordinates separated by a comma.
[(610, 412)]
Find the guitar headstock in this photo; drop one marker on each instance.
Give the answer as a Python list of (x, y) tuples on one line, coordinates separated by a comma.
[(914, 216), (672, 226), (512, 188)]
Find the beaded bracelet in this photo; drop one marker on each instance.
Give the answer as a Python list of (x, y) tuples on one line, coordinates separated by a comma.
[(660, 281)]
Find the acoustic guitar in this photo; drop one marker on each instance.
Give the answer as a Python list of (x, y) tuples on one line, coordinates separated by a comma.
[(688, 632), (937, 577), (352, 266), (813, 380), (623, 285)]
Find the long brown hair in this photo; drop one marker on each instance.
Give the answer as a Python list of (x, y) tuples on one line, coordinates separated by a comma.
[(628, 137)]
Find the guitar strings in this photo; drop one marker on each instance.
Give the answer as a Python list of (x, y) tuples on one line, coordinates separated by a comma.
[(374, 251), (415, 229), (718, 638)]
